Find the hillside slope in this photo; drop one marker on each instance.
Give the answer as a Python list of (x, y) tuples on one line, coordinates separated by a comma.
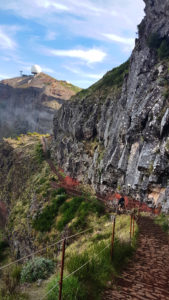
[(115, 134), (28, 103)]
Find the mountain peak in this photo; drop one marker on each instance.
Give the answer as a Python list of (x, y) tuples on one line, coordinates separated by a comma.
[(28, 103)]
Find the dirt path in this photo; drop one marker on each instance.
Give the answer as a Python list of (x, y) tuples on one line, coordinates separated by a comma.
[(147, 276)]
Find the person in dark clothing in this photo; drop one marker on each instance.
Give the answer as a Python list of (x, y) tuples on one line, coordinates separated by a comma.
[(121, 203)]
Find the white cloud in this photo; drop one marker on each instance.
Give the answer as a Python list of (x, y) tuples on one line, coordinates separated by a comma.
[(88, 6), (6, 42), (72, 24), (6, 76), (89, 18), (90, 56), (36, 9), (84, 74), (48, 70), (52, 4), (119, 39)]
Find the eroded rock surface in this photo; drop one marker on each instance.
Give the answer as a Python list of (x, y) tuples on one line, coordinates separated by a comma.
[(120, 141)]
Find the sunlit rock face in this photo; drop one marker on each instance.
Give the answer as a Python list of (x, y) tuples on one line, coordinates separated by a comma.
[(121, 141)]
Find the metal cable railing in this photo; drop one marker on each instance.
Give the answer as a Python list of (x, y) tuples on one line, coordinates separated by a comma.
[(74, 272), (45, 248)]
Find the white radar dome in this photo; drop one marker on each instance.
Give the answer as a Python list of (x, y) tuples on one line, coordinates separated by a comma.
[(35, 69)]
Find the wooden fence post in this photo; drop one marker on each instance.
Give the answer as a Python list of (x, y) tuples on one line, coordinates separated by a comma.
[(62, 269), (133, 224), (113, 234), (131, 220)]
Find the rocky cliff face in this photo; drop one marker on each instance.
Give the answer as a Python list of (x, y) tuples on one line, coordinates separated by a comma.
[(28, 103), (115, 135)]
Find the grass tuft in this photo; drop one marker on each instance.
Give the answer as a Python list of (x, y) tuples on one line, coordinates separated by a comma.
[(163, 221)]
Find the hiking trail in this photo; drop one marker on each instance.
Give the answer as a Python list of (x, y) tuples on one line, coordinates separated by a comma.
[(147, 276)]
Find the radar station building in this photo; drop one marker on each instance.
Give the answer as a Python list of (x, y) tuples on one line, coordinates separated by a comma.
[(35, 69)]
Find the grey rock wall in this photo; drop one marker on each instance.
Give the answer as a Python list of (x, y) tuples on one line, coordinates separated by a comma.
[(128, 133)]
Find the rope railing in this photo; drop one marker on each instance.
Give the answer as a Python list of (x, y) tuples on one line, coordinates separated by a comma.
[(74, 272), (60, 283), (46, 248)]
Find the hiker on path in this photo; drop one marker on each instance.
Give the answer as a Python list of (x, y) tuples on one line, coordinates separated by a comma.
[(121, 204)]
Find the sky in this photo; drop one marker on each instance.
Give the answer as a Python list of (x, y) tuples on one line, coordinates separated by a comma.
[(73, 40)]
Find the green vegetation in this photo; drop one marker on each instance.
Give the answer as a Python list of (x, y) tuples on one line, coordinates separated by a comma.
[(167, 145), (163, 221), (161, 45), (3, 246), (44, 221), (32, 191), (100, 268), (166, 93), (72, 289), (59, 191), (15, 296), (150, 169), (154, 41), (11, 280), (76, 209), (72, 87), (163, 50), (38, 268), (112, 79), (39, 154), (94, 248)]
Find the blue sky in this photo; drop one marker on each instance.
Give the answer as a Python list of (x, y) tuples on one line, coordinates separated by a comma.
[(73, 40)]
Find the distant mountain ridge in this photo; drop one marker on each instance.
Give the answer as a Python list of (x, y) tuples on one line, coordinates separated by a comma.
[(28, 103)]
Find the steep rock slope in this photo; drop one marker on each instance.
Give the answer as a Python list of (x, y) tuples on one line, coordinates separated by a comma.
[(34, 210), (28, 103), (115, 134)]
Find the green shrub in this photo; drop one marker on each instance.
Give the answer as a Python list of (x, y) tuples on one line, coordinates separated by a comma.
[(101, 268), (166, 94), (75, 261), (163, 50), (42, 180), (86, 208), (14, 296), (113, 78), (68, 211), (72, 289), (39, 154), (59, 191), (38, 268), (122, 252), (154, 40), (161, 45), (44, 221), (11, 279), (48, 154), (163, 222), (95, 274), (78, 208), (3, 246), (16, 273), (116, 76)]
